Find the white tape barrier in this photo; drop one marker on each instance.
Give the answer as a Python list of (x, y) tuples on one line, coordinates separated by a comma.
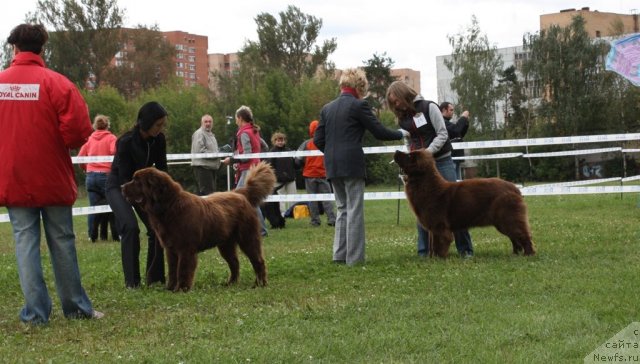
[(569, 190), (547, 141), (581, 183), (488, 156), (391, 149), (571, 152), (539, 190)]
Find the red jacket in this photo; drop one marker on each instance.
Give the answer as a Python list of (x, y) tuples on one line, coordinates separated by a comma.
[(100, 143), (254, 137), (42, 116)]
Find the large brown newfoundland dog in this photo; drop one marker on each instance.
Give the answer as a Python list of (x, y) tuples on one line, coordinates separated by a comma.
[(187, 224), (443, 207)]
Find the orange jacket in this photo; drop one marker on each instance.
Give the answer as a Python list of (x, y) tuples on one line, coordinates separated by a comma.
[(313, 165)]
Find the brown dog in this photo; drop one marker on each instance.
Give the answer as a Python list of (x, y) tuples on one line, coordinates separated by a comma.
[(442, 207), (187, 224)]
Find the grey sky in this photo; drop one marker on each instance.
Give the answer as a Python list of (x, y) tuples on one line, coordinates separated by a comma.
[(411, 32)]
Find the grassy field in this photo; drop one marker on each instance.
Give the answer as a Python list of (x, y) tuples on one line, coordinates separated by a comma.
[(558, 306)]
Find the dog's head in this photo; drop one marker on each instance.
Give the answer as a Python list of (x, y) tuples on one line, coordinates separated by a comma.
[(151, 189), (413, 163)]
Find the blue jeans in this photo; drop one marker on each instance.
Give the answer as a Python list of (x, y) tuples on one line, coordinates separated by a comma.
[(463, 240), (58, 228), (95, 183), (263, 225)]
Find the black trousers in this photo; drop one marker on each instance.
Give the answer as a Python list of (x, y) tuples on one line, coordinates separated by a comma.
[(127, 224), (206, 180)]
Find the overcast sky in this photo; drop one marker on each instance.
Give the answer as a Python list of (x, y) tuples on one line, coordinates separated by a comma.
[(411, 32)]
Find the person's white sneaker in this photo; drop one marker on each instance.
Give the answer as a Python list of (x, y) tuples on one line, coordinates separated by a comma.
[(97, 315)]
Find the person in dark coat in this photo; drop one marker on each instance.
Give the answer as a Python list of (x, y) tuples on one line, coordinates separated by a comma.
[(142, 146), (457, 130), (339, 135)]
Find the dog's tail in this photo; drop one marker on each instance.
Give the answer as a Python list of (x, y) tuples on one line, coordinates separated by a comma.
[(259, 183)]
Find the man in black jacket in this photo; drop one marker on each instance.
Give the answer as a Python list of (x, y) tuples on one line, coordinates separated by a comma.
[(456, 131), (339, 136)]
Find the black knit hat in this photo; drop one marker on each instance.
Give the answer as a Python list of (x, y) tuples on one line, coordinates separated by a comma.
[(149, 113)]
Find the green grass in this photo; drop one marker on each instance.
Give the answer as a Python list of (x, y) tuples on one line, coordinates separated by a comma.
[(558, 306)]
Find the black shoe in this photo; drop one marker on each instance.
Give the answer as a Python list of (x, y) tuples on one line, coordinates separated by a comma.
[(331, 223)]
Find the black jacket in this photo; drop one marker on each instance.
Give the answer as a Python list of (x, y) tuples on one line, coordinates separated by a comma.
[(285, 167), (134, 153), (423, 136), (457, 132)]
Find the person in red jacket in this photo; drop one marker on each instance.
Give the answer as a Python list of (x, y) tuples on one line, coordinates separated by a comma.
[(101, 143), (42, 117), (248, 141), (315, 179)]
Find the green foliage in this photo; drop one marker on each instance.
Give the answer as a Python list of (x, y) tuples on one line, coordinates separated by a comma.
[(568, 64), (86, 36), (146, 63), (379, 170), (107, 101), (555, 307), (475, 64), (517, 116), (289, 45), (378, 70)]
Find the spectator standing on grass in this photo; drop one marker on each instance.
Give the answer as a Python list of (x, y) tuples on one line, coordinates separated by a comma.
[(205, 169), (102, 142), (142, 146), (315, 179), (42, 116), (285, 169), (423, 120), (456, 130), (339, 136), (247, 141)]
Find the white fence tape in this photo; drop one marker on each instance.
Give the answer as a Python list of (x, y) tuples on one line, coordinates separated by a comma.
[(571, 152), (550, 189), (581, 183), (488, 156), (547, 141), (391, 149), (538, 190)]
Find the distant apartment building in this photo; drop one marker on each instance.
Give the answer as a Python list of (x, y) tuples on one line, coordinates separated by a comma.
[(597, 24), (192, 61), (408, 76), (222, 64)]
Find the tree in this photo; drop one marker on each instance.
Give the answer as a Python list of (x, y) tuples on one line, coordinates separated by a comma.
[(515, 121), (289, 45), (566, 62), (378, 70), (145, 62), (475, 65), (85, 39)]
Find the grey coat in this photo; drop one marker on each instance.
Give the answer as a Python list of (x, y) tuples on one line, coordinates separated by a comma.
[(340, 132)]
